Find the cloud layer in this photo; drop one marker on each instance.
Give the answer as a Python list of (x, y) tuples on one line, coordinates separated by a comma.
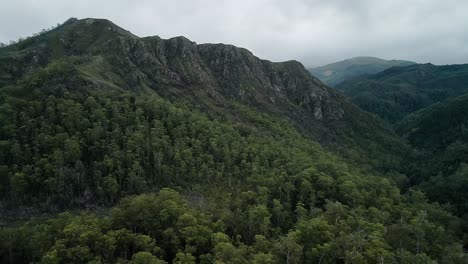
[(311, 31)]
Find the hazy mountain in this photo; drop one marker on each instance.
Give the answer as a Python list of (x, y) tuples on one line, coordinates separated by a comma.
[(166, 151), (338, 72), (398, 91)]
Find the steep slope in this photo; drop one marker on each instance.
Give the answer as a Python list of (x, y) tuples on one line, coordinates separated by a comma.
[(93, 57), (71, 38), (396, 92), (338, 72), (115, 121), (437, 126), (439, 133)]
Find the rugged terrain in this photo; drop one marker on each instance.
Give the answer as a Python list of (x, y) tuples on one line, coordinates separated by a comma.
[(121, 149)]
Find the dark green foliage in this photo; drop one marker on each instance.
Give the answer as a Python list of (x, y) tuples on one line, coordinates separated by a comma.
[(80, 149), (420, 100), (154, 228), (440, 136), (399, 91), (436, 127), (252, 184)]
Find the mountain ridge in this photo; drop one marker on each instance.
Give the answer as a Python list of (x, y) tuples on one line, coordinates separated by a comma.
[(398, 91), (169, 66)]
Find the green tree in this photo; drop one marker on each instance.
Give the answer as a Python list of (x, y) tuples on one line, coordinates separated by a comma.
[(288, 249), (145, 258), (184, 258)]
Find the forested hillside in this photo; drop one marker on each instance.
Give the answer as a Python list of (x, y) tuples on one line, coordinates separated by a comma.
[(120, 149), (422, 104), (440, 136), (399, 91)]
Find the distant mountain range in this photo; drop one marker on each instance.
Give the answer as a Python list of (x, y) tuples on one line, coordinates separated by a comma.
[(337, 72)]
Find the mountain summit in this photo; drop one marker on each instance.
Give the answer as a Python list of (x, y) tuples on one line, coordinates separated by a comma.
[(338, 72)]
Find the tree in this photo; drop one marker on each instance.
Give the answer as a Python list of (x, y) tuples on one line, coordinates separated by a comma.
[(226, 253), (72, 151), (145, 258), (259, 220), (184, 258), (316, 235), (19, 183), (288, 249), (262, 258)]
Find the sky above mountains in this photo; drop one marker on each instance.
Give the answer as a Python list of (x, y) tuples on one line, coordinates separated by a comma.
[(311, 31)]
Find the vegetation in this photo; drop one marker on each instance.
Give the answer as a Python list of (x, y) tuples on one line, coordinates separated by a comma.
[(421, 102), (260, 193), (36, 35), (439, 134), (252, 228), (103, 162)]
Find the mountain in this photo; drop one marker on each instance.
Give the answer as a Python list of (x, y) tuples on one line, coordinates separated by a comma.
[(121, 149), (335, 73), (399, 91), (215, 77), (94, 57)]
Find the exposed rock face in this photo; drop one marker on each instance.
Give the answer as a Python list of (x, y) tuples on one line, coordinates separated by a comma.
[(225, 73), (245, 77)]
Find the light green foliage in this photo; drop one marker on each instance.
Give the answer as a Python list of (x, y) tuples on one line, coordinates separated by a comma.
[(184, 258), (262, 258), (153, 227), (146, 258)]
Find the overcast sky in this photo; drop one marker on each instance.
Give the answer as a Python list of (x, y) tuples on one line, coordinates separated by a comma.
[(311, 31)]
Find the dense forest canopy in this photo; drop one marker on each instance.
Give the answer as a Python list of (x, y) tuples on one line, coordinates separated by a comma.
[(439, 134), (117, 149)]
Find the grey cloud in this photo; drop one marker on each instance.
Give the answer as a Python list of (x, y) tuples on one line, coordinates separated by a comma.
[(314, 32)]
